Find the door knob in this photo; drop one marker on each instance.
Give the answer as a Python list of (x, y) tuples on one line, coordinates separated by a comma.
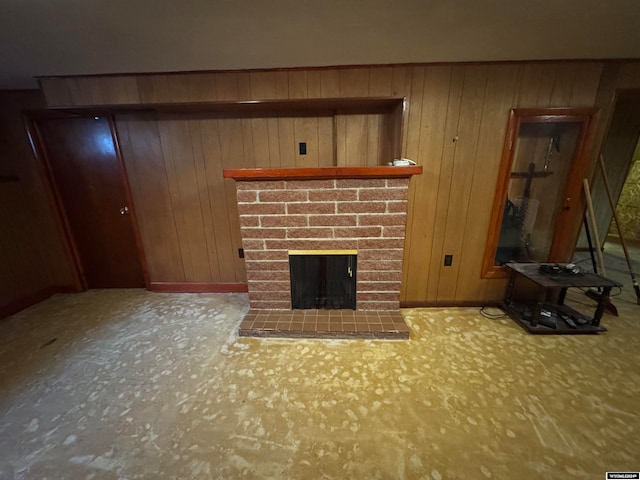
[(124, 210)]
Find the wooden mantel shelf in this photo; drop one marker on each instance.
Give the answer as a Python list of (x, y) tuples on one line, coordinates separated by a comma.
[(252, 174)]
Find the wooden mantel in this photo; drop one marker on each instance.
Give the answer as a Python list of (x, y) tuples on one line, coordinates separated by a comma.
[(250, 174)]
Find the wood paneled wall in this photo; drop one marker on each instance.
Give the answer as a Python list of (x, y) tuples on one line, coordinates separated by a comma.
[(32, 260), (455, 128)]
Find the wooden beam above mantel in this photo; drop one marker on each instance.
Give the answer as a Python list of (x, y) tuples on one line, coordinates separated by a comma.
[(253, 174)]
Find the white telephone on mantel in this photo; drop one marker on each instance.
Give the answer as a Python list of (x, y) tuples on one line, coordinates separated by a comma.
[(402, 162)]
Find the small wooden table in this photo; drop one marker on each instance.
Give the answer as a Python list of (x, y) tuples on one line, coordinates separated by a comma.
[(555, 317)]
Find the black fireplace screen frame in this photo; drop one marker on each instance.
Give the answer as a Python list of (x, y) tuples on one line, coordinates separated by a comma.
[(323, 281)]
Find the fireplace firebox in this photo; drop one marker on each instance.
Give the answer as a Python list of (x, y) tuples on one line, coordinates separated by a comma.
[(323, 279)]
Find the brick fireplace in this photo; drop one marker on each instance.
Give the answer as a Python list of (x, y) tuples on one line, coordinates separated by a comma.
[(319, 210)]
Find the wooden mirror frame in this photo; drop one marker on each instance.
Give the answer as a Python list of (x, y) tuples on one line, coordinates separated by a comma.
[(566, 226)]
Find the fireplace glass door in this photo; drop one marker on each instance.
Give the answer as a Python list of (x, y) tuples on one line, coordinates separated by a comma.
[(323, 281)]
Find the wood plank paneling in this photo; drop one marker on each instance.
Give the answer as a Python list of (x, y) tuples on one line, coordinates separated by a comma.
[(629, 76), (330, 83), (20, 262), (119, 90), (498, 97), (32, 255), (260, 140), (354, 82), (380, 81), (424, 192), (227, 87), (142, 153), (202, 87), (210, 255), (450, 204), (466, 143), (452, 119), (416, 99), (355, 138), (175, 164), (298, 84), (585, 85), (220, 144), (286, 142), (263, 85), (56, 91)]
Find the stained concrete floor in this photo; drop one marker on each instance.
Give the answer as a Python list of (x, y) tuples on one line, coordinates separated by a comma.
[(128, 384)]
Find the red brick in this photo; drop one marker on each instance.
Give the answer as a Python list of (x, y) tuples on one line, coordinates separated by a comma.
[(273, 296), (268, 254), (310, 232), (249, 221), (362, 207), (268, 286), (297, 244), (366, 194), (397, 207), (360, 183), (283, 221), (380, 243), (283, 196), (392, 287), (252, 244), (258, 266), (398, 182), (376, 296), (276, 275), (261, 209), (378, 306), (249, 232), (365, 264), (383, 219), (397, 231), (358, 232), (393, 254), (379, 276), (260, 185), (311, 208), (333, 220), (247, 196), (310, 184), (333, 195)]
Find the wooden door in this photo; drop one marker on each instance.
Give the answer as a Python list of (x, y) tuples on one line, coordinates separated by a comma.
[(90, 183)]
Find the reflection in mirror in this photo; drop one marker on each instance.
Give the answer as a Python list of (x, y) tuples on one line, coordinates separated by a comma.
[(541, 164)]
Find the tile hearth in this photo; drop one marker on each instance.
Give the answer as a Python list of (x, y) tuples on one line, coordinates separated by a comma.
[(324, 324)]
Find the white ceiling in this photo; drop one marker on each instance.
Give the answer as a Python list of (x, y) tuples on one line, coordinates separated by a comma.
[(73, 37)]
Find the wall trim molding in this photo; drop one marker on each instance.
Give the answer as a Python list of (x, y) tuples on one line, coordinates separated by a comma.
[(339, 67), (190, 287)]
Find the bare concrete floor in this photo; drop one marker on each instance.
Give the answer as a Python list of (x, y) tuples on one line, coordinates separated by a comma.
[(128, 384)]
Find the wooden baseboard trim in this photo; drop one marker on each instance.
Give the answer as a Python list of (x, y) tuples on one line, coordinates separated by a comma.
[(472, 304), (29, 300), (188, 287)]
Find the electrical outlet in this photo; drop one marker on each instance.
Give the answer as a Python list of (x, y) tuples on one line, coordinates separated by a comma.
[(302, 148), (448, 260)]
